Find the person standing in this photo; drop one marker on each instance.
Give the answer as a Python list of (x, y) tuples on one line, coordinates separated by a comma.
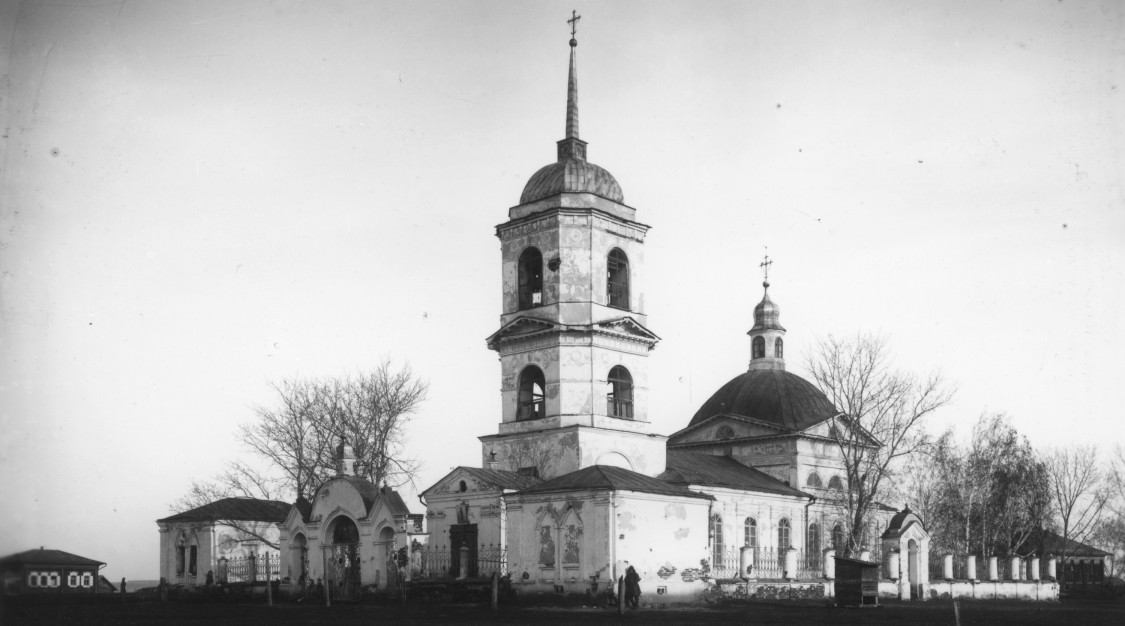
[(632, 588)]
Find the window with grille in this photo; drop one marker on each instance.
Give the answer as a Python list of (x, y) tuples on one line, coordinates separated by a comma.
[(531, 278), (758, 348), (620, 396), (783, 539), (531, 405), (750, 538), (617, 279)]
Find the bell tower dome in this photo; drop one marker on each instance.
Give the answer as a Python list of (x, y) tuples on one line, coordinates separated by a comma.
[(767, 343), (572, 341)]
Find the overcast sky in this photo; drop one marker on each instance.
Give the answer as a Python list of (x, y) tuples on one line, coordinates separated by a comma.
[(199, 198)]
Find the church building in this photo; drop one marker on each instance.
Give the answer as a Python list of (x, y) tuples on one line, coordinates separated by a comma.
[(574, 482)]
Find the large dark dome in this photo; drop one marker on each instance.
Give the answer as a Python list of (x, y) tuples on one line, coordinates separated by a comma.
[(770, 395), (571, 175)]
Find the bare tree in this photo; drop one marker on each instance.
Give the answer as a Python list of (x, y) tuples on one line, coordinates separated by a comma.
[(238, 481), (880, 419), (297, 436), (1079, 492)]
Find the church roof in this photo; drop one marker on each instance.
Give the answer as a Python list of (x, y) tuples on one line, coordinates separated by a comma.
[(247, 509), (692, 468), (43, 556), (572, 173), (502, 478), (774, 396), (612, 478)]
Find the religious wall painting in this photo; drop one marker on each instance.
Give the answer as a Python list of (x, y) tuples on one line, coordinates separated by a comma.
[(572, 540)]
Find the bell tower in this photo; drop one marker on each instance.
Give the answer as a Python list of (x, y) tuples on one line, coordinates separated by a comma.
[(572, 341)]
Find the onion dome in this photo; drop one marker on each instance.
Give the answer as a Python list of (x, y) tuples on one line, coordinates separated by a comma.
[(767, 314), (572, 173), (774, 396)]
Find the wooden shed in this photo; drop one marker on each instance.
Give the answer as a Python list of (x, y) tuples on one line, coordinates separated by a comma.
[(857, 582)]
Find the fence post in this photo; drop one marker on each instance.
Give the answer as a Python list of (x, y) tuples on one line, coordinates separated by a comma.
[(971, 567), (1035, 568), (620, 595), (947, 566), (1014, 574), (495, 590), (745, 562), (790, 563), (992, 571), (830, 564)]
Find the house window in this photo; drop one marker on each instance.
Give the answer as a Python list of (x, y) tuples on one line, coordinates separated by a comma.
[(716, 541), (617, 279), (814, 480), (835, 483), (620, 396), (531, 406), (758, 350), (783, 540), (838, 537), (813, 544), (750, 538), (779, 348), (531, 278)]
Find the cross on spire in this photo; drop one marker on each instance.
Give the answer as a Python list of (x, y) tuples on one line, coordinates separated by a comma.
[(573, 21), (765, 265)]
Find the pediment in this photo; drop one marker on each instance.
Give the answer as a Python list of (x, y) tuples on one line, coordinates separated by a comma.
[(629, 327), (521, 328), (743, 427), (451, 484)]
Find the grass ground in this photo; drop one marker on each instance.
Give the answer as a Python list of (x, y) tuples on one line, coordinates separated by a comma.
[(795, 612)]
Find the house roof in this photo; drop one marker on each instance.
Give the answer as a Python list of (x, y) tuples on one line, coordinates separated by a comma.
[(1047, 542), (612, 478), (693, 468), (245, 509), (43, 556)]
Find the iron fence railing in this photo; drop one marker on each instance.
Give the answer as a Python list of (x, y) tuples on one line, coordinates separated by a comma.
[(766, 563), (248, 569), (438, 562)]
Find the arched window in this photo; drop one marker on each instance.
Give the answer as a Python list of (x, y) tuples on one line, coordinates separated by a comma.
[(813, 544), (783, 539), (750, 533), (193, 557), (716, 541), (531, 406), (779, 348), (344, 531), (758, 350), (620, 396), (814, 480), (724, 432), (835, 483), (531, 278), (617, 279), (838, 538)]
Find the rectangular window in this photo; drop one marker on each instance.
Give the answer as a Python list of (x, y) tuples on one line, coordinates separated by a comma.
[(546, 546), (571, 545)]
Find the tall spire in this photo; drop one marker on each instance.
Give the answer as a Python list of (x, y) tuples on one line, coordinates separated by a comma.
[(572, 147)]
